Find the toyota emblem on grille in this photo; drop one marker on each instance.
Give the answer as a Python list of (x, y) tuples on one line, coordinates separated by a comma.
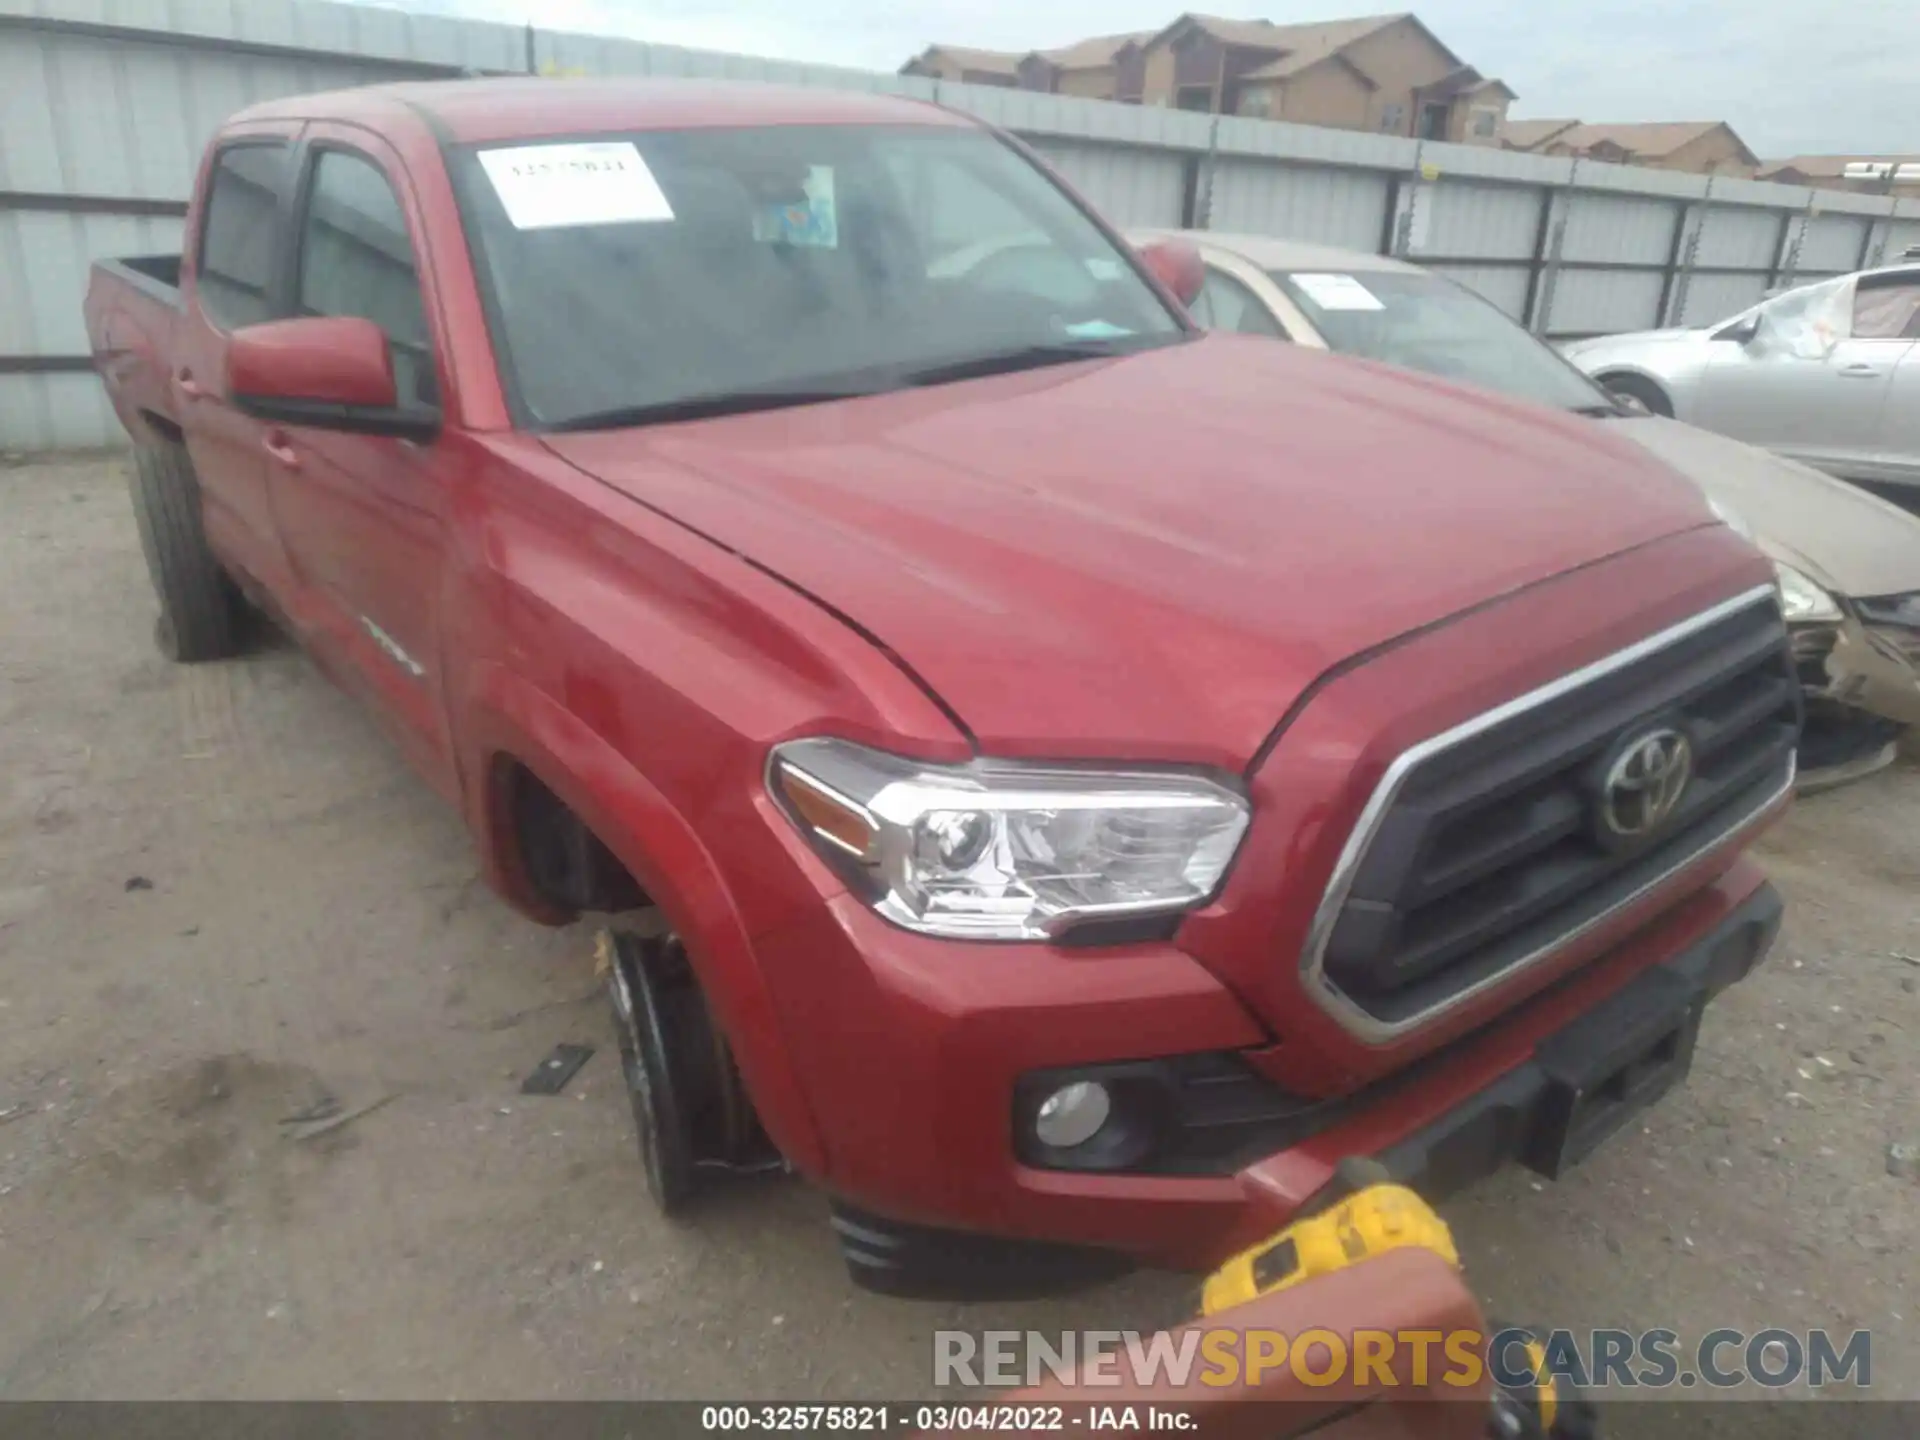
[(1644, 784)]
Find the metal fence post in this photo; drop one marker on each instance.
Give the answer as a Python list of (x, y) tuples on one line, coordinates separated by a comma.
[(1559, 202), (1691, 227), (1405, 196), (1793, 234), (1891, 224), (1873, 245), (1202, 217)]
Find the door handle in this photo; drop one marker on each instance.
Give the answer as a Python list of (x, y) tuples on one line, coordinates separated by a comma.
[(278, 448), (1861, 371), (190, 388)]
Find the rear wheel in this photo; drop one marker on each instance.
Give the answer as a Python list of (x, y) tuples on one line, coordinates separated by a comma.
[(198, 619), (1638, 387)]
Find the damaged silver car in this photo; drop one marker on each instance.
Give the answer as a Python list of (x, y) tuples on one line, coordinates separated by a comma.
[(1827, 373), (1848, 564)]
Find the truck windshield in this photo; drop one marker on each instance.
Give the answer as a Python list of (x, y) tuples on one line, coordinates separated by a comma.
[(674, 274), (1425, 322)]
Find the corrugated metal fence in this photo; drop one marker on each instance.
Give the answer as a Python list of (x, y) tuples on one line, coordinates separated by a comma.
[(105, 105)]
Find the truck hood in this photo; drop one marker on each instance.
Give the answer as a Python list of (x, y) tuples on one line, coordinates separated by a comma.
[(1150, 556), (1838, 534)]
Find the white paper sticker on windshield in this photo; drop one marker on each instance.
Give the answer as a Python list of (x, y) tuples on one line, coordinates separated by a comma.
[(601, 183), (1337, 292)]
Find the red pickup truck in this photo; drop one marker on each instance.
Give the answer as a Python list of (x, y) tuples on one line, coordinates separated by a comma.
[(1095, 774)]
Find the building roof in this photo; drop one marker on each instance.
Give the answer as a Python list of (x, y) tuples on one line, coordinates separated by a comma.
[(1096, 52), (994, 62), (1287, 66), (1830, 167), (1469, 81), (1653, 139), (1530, 134), (1317, 40)]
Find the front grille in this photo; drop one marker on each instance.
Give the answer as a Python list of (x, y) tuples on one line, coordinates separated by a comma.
[(1484, 849)]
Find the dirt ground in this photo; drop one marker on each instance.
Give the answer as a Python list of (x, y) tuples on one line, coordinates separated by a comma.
[(222, 896)]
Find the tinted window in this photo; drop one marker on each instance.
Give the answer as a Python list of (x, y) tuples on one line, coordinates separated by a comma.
[(356, 259), (1226, 304), (236, 235), (1423, 322), (1887, 308), (679, 271)]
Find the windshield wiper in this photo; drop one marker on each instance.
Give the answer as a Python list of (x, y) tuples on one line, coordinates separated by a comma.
[(1600, 411), (1032, 357), (704, 407)]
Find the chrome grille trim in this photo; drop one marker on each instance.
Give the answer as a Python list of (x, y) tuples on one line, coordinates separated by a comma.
[(1373, 1030)]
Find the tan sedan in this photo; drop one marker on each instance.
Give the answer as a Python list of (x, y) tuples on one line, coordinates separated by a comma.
[(1848, 563)]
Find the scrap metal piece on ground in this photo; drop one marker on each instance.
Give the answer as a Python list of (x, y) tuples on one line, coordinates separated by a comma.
[(551, 1075), (325, 1107), (335, 1121)]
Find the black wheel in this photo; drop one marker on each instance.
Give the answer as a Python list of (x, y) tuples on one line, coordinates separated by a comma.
[(1638, 387), (197, 608), (647, 1000)]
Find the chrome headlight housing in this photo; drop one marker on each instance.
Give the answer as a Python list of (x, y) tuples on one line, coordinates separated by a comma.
[(1802, 601), (1001, 850)]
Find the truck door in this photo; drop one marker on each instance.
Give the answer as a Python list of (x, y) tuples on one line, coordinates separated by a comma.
[(228, 279), (362, 516)]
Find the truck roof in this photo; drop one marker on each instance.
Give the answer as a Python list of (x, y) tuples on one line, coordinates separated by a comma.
[(514, 108)]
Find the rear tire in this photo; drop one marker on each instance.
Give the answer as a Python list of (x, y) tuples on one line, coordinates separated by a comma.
[(1642, 389), (197, 610)]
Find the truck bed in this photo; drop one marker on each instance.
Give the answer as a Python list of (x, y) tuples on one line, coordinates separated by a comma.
[(132, 307)]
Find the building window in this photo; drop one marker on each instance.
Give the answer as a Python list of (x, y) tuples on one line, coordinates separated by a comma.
[(1255, 100), (1392, 117), (1486, 123)]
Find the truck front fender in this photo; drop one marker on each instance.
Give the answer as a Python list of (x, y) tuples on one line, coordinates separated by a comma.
[(505, 718)]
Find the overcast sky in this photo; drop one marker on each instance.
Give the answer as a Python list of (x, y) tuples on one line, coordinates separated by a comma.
[(1792, 76)]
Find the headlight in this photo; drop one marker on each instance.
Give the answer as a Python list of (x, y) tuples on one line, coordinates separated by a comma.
[(996, 850), (1801, 599), (1730, 518)]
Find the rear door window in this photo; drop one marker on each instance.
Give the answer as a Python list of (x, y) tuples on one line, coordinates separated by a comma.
[(235, 272), (1887, 308)]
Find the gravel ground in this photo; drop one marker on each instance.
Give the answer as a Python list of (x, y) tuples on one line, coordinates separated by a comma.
[(222, 895)]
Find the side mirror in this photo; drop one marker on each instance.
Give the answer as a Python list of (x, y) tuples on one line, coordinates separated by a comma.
[(330, 371), (1741, 332), (1176, 265)]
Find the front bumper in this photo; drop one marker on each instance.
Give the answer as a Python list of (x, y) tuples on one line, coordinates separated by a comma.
[(1504, 1122), (918, 1069), (1861, 683)]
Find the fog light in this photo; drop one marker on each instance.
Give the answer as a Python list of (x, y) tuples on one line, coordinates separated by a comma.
[(1072, 1115)]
